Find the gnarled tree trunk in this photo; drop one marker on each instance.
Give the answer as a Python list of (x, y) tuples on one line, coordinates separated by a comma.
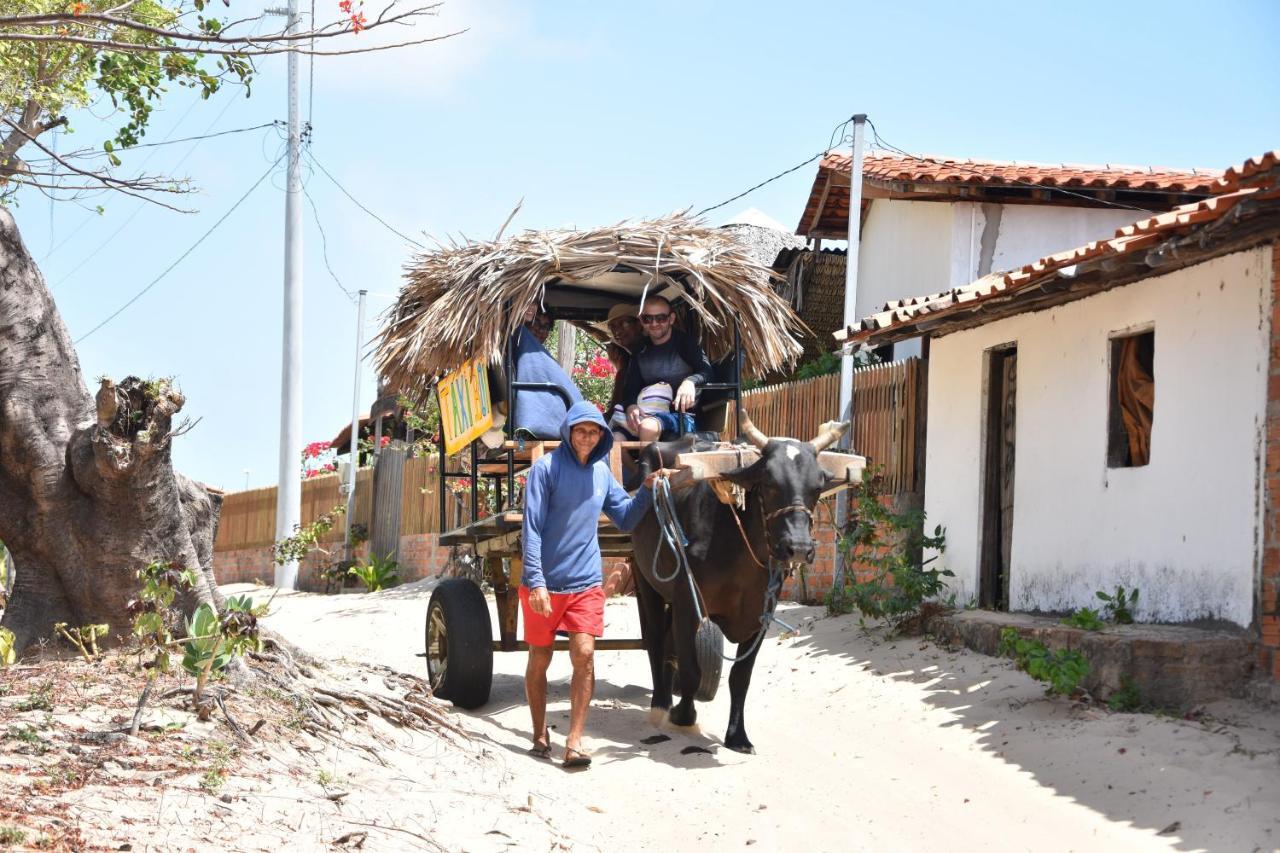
[(88, 494)]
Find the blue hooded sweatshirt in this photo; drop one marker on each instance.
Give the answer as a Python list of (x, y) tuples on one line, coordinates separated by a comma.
[(563, 500)]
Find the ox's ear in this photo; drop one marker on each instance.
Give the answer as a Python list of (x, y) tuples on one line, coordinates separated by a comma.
[(746, 476)]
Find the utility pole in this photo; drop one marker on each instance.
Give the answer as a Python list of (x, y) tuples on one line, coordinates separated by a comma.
[(850, 317), (289, 490), (355, 428)]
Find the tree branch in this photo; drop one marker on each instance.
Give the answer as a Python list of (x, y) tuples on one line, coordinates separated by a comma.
[(126, 47)]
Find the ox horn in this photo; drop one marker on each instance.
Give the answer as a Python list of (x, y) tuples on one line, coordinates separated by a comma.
[(828, 434), (752, 432)]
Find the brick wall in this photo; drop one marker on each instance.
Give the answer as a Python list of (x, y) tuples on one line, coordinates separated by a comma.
[(1269, 592)]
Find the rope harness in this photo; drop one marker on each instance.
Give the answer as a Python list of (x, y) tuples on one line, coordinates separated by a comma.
[(673, 537)]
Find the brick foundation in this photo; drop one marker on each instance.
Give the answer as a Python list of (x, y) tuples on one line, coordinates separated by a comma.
[(1268, 615)]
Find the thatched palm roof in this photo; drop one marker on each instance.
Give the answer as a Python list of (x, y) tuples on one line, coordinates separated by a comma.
[(461, 302)]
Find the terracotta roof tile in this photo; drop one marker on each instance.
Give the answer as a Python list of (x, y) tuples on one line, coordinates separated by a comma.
[(1248, 171), (1139, 236), (884, 168)]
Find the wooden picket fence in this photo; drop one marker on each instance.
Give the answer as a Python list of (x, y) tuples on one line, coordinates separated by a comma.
[(887, 415), (887, 422), (249, 518)]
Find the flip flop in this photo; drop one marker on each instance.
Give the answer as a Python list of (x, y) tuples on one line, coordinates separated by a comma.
[(576, 758), (542, 750)]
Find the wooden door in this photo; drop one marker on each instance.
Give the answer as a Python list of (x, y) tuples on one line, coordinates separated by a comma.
[(997, 479)]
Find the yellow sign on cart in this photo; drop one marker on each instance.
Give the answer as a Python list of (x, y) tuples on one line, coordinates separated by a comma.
[(465, 408)]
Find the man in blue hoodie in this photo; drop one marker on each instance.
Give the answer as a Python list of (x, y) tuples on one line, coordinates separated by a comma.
[(561, 589)]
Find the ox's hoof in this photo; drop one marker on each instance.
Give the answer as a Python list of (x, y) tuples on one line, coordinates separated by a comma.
[(738, 743), (658, 716), (684, 716)]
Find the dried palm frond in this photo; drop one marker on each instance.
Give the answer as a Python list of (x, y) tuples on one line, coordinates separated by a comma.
[(462, 302)]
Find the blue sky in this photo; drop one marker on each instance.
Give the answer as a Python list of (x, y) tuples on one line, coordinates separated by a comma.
[(593, 112)]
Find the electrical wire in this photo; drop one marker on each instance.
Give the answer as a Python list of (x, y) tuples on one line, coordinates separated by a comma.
[(183, 256), (142, 205), (354, 201), (880, 142), (324, 245), (839, 131)]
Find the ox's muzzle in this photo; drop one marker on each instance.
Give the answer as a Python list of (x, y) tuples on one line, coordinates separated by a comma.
[(792, 539)]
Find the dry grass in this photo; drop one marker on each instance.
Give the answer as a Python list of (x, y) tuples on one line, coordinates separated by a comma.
[(461, 302)]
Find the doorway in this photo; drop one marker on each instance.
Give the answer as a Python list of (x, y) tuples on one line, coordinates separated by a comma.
[(997, 477)]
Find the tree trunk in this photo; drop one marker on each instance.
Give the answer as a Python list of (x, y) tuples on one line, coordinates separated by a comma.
[(566, 349), (88, 494)]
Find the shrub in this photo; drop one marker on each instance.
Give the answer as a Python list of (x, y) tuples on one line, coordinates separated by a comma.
[(1062, 670), (1119, 606), (1086, 618), (891, 544), (376, 572)]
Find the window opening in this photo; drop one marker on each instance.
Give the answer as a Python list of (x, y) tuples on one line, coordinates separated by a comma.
[(1131, 401)]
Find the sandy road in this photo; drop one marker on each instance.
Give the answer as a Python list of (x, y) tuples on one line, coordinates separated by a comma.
[(863, 744)]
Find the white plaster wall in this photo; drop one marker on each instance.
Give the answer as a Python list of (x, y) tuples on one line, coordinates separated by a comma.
[(905, 251), (1029, 232), (1183, 529)]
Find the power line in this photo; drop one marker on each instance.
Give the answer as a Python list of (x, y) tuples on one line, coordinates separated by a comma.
[(324, 244), (183, 256), (384, 223), (838, 131), (880, 142), (761, 184), (142, 204)]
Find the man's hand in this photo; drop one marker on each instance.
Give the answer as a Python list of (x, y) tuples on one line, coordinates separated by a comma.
[(633, 419), (654, 475), (685, 395), (540, 601)]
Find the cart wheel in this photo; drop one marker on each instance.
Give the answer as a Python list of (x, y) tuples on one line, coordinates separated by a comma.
[(459, 643), (709, 646)]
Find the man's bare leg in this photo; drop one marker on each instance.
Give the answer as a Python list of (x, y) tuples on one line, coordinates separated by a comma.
[(582, 649), (535, 690)]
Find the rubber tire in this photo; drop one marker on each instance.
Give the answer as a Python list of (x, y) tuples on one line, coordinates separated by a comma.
[(708, 644), (468, 673)]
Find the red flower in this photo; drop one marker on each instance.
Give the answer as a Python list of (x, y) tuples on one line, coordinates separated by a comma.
[(385, 440), (600, 367), (77, 9), (357, 22), (345, 6)]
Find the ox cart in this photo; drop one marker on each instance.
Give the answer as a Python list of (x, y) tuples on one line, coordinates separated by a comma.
[(451, 334)]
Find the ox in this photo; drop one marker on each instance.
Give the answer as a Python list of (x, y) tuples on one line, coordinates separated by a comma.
[(738, 563)]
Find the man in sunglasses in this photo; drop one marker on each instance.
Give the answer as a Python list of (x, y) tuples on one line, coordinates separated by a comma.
[(671, 357)]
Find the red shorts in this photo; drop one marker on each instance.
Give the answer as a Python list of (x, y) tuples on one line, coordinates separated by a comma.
[(574, 612)]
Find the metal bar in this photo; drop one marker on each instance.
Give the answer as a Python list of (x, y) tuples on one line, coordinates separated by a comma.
[(539, 386), (475, 482), (737, 385), (355, 431), (602, 645), (850, 318), (440, 460)]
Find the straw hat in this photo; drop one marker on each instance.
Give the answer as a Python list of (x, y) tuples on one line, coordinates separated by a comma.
[(622, 309)]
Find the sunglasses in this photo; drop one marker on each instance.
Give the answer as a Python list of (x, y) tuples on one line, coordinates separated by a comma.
[(654, 319)]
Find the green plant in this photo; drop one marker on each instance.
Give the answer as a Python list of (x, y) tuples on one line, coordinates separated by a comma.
[(1127, 698), (154, 617), (1086, 618), (84, 638), (306, 538), (41, 700), (324, 777), (11, 835), (376, 572), (1062, 670), (213, 642), (7, 653), (1119, 605), (890, 545)]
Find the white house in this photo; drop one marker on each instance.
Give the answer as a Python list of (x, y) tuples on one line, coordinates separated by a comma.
[(933, 223), (1111, 415)]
